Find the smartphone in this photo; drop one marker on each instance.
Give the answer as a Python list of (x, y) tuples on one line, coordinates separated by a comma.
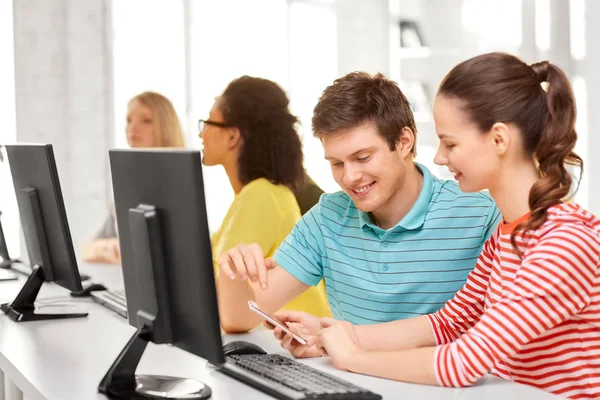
[(254, 307)]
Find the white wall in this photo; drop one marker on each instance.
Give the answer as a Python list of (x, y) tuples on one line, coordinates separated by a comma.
[(557, 30), (363, 36), (8, 130), (588, 69), (63, 80), (314, 64)]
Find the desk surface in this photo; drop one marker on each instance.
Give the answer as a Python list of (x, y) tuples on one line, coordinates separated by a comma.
[(65, 359)]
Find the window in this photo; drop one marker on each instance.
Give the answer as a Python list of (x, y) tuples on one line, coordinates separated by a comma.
[(148, 54), (292, 43), (231, 38), (313, 67)]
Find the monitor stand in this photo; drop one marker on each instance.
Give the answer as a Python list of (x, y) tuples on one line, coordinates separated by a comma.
[(22, 309), (6, 263), (120, 382)]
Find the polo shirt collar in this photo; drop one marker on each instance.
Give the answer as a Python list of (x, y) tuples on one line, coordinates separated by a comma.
[(416, 216), (365, 220)]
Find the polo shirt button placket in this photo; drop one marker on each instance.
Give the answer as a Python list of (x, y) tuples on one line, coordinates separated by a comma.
[(385, 267), (385, 243)]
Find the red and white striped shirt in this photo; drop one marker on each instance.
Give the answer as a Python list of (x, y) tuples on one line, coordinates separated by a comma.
[(534, 320)]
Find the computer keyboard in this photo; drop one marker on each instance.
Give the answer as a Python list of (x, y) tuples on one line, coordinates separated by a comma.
[(287, 379), (113, 300)]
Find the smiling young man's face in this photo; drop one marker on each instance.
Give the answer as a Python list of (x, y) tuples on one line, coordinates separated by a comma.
[(365, 167)]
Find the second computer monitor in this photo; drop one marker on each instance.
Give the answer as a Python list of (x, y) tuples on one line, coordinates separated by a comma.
[(45, 227), (5, 259), (165, 248), (39, 195)]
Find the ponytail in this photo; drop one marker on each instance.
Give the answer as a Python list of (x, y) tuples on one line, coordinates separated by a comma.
[(499, 87), (554, 149)]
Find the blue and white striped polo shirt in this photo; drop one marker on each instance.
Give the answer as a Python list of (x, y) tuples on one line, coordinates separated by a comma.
[(375, 275)]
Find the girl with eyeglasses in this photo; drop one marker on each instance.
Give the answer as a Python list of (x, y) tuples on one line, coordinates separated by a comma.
[(251, 133)]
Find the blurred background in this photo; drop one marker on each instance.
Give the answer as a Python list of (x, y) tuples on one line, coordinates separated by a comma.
[(69, 67)]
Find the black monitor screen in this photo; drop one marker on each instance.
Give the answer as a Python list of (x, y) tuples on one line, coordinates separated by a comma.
[(167, 187), (4, 256), (43, 214)]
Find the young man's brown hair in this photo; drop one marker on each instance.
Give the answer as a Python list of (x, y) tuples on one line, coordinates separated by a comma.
[(358, 98)]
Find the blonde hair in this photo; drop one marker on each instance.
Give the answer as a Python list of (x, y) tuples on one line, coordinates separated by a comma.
[(167, 129)]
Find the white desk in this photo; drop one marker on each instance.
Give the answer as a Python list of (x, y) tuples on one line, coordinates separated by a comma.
[(65, 359)]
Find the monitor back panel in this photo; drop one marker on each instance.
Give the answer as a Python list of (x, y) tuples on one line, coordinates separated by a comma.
[(171, 180), (33, 165)]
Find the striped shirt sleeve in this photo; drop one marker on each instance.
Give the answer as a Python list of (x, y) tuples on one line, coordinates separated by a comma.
[(553, 283), (301, 253), (491, 222), (465, 309)]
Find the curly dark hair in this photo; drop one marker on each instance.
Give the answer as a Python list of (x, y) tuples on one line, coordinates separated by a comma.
[(271, 147)]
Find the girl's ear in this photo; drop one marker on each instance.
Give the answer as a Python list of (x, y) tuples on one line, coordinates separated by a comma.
[(234, 137), (501, 136)]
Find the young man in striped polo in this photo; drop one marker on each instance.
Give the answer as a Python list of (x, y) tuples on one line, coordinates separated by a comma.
[(394, 243)]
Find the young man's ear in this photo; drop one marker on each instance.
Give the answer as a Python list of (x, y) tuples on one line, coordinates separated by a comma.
[(406, 142), (501, 135), (234, 137)]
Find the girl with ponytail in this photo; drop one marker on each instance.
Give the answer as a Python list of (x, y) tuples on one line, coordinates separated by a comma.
[(530, 310)]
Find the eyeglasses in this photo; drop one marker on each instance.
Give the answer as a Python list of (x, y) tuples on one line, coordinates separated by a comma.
[(203, 122)]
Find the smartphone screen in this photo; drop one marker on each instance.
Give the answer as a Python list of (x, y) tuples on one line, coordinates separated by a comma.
[(254, 307)]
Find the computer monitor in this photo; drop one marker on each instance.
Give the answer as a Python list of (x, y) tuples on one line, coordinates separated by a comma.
[(167, 267), (5, 260), (45, 228)]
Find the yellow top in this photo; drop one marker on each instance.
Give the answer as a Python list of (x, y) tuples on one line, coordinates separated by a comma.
[(266, 213)]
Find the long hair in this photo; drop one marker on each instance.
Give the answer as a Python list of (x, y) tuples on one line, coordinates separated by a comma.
[(271, 147), (167, 129), (499, 87)]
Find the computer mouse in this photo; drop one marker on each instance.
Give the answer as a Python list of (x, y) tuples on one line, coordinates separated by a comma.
[(241, 347), (94, 287)]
